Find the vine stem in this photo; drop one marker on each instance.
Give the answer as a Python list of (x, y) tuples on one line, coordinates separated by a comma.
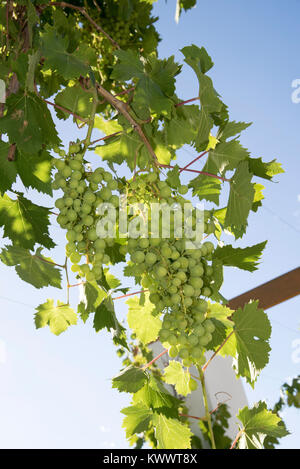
[(65, 110), (193, 417), (121, 107), (91, 121), (195, 171), (87, 16), (154, 359), (129, 294), (207, 413), (196, 159), (238, 436), (187, 101), (217, 351), (50, 262), (68, 282), (106, 137)]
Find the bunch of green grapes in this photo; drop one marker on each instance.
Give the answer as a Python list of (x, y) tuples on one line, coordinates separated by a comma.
[(83, 193), (179, 276)]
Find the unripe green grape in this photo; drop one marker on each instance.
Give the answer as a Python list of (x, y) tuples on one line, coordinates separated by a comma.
[(182, 324), (99, 245), (62, 183), (197, 353), (175, 298), (85, 209), (150, 258), (155, 242), (183, 262), (72, 215), (151, 177), (132, 243), (184, 353), (181, 275), (176, 282), (209, 326), (206, 291), (79, 237), (60, 203), (201, 306), (209, 270), (114, 200), (106, 259), (188, 302), (71, 235), (90, 277), (161, 271), (123, 250), (196, 282), (112, 185), (154, 298), (75, 268), (193, 339), (188, 290), (92, 234), (75, 257), (66, 172), (175, 255), (187, 362), (173, 289), (199, 330), (89, 197), (173, 352), (199, 317), (205, 339), (138, 257), (144, 243), (209, 247), (107, 177), (59, 164), (84, 268), (176, 265), (172, 339), (88, 220), (75, 165), (76, 175), (105, 193)]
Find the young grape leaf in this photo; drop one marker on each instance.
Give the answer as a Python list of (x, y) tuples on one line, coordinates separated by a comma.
[(137, 420), (257, 424), (171, 433), (131, 379), (240, 198), (34, 268), (58, 318), (242, 258), (258, 196), (24, 222), (141, 320), (176, 375), (265, 170), (252, 333)]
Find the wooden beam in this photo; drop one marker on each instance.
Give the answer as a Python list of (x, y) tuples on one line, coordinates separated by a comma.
[(272, 293)]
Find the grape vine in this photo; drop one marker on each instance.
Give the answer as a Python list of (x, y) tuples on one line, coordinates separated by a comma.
[(95, 62)]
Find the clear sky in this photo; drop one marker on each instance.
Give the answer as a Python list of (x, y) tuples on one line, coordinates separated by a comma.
[(55, 392)]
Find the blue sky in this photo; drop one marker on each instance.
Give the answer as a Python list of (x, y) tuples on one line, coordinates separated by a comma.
[(55, 391)]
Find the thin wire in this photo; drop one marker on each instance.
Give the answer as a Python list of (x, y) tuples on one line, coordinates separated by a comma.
[(282, 220), (16, 301)]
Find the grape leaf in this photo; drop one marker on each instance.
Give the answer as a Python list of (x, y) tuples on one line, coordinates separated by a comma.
[(206, 187), (57, 58), (75, 99), (252, 333), (8, 169), (105, 316), (24, 222), (28, 123), (137, 420), (34, 268), (264, 170), (170, 433), (181, 128), (91, 295), (240, 197), (257, 424), (153, 394), (141, 320), (227, 155), (258, 197), (176, 375), (35, 170), (131, 379), (211, 105), (230, 129), (58, 318), (243, 258)]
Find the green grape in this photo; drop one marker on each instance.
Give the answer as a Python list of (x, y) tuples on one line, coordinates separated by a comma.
[(209, 326), (196, 282), (92, 234), (173, 352), (71, 235), (175, 298), (193, 339), (188, 290), (161, 271), (138, 257), (206, 292), (150, 258), (75, 165), (88, 220), (172, 339), (183, 190), (75, 268), (144, 243), (72, 215), (184, 353), (199, 330), (197, 352), (105, 193), (75, 257)]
